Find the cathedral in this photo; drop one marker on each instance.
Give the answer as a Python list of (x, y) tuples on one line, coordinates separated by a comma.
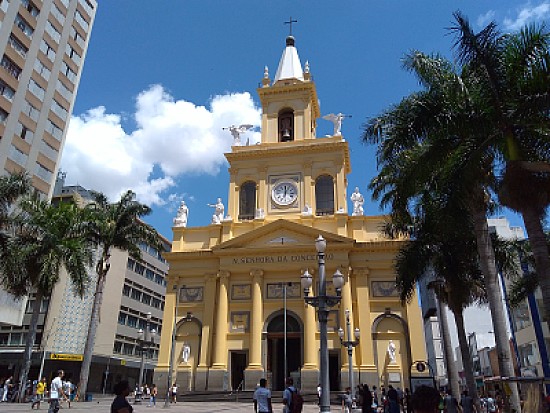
[(235, 308)]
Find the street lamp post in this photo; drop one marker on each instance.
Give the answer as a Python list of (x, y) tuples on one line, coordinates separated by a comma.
[(323, 302), (146, 341), (349, 344)]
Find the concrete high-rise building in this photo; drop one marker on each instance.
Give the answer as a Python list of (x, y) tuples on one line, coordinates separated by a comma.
[(43, 44), (133, 297)]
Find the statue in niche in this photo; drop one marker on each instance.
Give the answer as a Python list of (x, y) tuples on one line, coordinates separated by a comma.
[(391, 351), (185, 352)]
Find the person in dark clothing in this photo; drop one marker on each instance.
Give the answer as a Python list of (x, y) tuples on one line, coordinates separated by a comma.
[(393, 400), (425, 400), (120, 404), (366, 406), (407, 400)]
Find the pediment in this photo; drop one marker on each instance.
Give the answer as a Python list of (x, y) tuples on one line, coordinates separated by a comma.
[(282, 234)]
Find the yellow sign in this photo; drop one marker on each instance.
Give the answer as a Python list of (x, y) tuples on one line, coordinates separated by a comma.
[(66, 357), (122, 362)]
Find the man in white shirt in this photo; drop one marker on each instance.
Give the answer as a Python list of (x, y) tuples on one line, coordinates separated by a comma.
[(262, 398), (56, 392)]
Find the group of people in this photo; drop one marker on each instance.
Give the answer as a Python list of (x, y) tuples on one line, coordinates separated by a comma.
[(148, 393)]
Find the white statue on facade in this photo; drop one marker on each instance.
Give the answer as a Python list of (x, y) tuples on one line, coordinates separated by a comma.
[(236, 132), (186, 351), (181, 216), (217, 218), (259, 213), (358, 202), (307, 210), (337, 121), (391, 351)]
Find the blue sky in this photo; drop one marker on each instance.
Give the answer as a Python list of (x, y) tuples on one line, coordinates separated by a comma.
[(161, 79)]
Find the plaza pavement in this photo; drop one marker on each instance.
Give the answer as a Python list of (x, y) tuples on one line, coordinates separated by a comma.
[(104, 405)]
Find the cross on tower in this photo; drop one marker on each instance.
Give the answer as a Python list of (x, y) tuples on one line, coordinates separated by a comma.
[(289, 22)]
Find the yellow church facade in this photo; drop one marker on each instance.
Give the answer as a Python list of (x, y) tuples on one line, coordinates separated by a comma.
[(234, 289)]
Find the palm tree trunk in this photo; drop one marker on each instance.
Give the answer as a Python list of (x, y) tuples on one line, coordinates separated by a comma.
[(452, 374), (537, 239), (92, 330), (27, 355), (466, 356), (494, 297)]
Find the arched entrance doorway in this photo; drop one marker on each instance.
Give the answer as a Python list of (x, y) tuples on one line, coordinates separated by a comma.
[(276, 348), (390, 330)]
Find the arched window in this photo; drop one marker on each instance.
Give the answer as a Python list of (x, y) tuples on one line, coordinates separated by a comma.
[(286, 125), (247, 200), (324, 195)]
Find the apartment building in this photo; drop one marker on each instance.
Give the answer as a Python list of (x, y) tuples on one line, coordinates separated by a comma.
[(133, 297), (43, 45)]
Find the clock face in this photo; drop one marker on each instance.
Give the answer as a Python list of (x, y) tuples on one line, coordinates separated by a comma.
[(284, 193)]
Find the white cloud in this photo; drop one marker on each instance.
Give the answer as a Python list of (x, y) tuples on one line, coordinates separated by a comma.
[(484, 19), (528, 14), (176, 136)]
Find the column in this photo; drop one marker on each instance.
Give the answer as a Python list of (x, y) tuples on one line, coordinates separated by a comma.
[(208, 320), (222, 312), (310, 370), (365, 351), (257, 320)]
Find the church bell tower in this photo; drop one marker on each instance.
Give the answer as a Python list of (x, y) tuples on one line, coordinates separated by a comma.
[(291, 173)]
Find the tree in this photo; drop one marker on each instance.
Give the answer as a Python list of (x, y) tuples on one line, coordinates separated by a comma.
[(12, 187), (512, 72), (434, 139), (112, 226), (46, 238), (442, 250)]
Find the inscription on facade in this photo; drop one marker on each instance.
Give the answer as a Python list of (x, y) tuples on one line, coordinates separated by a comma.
[(274, 259)]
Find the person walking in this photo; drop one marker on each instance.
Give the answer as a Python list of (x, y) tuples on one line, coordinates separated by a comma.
[(451, 404), (56, 392), (262, 398), (174, 392), (366, 406), (153, 398), (393, 400), (467, 403), (40, 390), (287, 394), (7, 387), (120, 404)]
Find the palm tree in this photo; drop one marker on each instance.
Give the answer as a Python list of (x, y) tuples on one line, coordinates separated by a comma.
[(443, 251), (11, 188), (513, 73), (422, 146), (46, 238), (113, 226)]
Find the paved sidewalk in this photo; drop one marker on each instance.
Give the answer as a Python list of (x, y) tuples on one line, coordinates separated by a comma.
[(103, 405)]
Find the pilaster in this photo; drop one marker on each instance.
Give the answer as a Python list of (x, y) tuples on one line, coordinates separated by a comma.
[(220, 336)]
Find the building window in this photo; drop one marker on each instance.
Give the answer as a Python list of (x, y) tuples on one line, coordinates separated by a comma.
[(81, 20), (15, 339), (24, 26), (58, 14), (117, 348), (521, 316), (126, 290), (54, 130), (24, 132), (4, 4), (49, 151), (18, 156), (6, 91), (19, 47), (286, 125), (30, 111), (47, 50), (36, 90), (11, 67), (140, 269), (53, 32), (75, 57), (247, 200), (41, 69), (31, 8), (59, 110), (43, 173), (324, 195), (78, 37), (63, 90), (3, 116), (130, 264), (87, 7), (132, 321), (136, 294), (121, 318)]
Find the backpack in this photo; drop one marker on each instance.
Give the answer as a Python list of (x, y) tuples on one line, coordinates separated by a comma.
[(296, 401)]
